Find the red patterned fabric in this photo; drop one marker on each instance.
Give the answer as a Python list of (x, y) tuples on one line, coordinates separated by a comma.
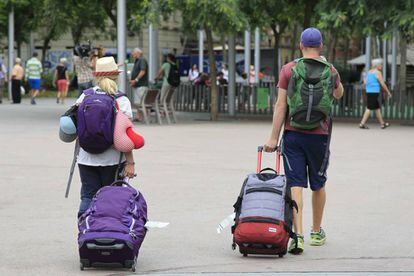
[(125, 138), (106, 74)]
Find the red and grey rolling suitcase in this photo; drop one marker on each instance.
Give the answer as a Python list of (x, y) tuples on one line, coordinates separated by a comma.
[(264, 212)]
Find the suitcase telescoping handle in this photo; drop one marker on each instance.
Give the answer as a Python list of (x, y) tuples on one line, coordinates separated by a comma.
[(121, 182), (259, 159)]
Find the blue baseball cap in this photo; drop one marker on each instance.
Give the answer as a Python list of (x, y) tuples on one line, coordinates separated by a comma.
[(311, 37)]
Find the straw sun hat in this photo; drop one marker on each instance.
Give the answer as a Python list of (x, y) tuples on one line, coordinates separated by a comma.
[(106, 67)]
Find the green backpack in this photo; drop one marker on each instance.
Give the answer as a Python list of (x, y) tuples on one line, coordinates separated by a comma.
[(310, 93)]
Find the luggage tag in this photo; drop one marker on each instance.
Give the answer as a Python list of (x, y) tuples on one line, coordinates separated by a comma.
[(156, 224), (226, 222)]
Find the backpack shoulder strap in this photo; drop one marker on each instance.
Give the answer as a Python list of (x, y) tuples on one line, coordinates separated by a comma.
[(89, 92), (119, 95)]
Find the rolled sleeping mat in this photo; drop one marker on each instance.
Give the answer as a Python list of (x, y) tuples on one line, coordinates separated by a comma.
[(125, 138), (137, 139), (67, 129)]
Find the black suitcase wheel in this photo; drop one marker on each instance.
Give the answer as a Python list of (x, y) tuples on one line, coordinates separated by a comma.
[(281, 255), (82, 267), (244, 255)]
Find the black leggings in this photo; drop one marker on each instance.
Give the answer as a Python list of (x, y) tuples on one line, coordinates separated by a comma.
[(16, 94), (93, 178)]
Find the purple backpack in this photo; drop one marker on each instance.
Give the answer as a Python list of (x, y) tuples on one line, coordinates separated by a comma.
[(96, 120), (118, 213)]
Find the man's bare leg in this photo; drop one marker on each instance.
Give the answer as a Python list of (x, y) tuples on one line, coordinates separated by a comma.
[(35, 93), (318, 205), (297, 216)]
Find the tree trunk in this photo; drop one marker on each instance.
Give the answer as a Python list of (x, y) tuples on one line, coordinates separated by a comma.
[(213, 75), (277, 35), (183, 45), (403, 66), (225, 53), (45, 47), (331, 46), (374, 47), (19, 48), (347, 43), (108, 11), (276, 57), (309, 5), (76, 35), (293, 42), (334, 49)]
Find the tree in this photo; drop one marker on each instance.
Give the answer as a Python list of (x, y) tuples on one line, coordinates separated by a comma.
[(276, 15), (221, 16), (23, 23), (51, 20), (402, 20), (338, 20), (308, 12), (85, 15)]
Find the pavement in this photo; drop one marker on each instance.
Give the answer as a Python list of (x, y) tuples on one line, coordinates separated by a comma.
[(190, 174)]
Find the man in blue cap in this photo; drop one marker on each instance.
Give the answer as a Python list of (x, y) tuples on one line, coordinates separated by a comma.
[(306, 90)]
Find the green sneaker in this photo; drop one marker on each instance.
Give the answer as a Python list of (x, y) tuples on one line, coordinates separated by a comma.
[(317, 238), (294, 248)]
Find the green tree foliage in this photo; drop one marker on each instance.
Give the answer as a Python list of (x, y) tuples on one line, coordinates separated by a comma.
[(214, 16), (340, 20), (276, 15), (24, 20), (402, 19), (85, 15)]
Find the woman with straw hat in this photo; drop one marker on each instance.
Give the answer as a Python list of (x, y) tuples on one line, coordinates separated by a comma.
[(101, 169)]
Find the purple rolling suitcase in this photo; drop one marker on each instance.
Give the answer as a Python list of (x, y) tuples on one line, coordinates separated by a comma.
[(112, 230)]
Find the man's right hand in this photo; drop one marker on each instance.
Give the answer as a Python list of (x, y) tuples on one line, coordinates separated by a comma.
[(270, 145)]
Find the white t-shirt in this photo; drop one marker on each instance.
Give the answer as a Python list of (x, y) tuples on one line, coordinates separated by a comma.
[(225, 74), (111, 156), (193, 74)]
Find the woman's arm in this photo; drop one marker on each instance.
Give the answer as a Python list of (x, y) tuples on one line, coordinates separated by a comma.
[(382, 82), (54, 78), (67, 75), (160, 73), (129, 165)]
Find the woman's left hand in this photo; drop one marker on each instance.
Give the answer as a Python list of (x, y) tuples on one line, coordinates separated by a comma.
[(129, 170)]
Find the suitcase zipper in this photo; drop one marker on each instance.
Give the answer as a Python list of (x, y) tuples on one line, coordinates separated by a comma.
[(87, 224), (264, 189), (131, 229)]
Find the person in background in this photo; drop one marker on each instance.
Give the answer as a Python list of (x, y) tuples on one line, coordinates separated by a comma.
[(3, 78), (16, 79), (164, 72), (252, 75), (97, 53), (33, 75), (220, 79), (139, 78), (203, 80), (83, 67), (61, 78), (225, 72), (193, 74), (373, 85)]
